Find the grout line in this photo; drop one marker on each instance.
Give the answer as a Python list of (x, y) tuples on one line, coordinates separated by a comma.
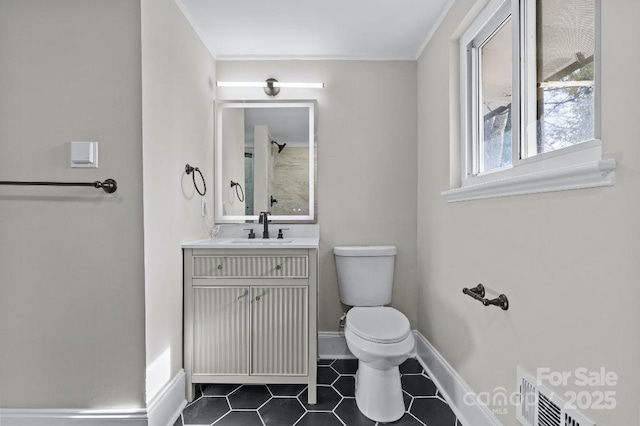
[(229, 402), (302, 405), (263, 404), (336, 371), (442, 399), (302, 391), (301, 416), (261, 419), (410, 402), (417, 419), (225, 415), (334, 410)]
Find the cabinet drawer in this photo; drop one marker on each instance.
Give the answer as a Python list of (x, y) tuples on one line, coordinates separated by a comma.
[(250, 266)]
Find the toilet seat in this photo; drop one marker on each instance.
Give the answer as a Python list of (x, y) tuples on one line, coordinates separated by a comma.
[(378, 324)]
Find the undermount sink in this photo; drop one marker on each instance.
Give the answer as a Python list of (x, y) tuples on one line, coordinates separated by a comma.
[(273, 241)]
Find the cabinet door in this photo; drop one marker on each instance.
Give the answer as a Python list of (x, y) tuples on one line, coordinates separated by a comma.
[(279, 331), (220, 330)]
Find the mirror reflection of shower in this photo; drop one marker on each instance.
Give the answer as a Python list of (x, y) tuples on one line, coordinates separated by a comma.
[(280, 146)]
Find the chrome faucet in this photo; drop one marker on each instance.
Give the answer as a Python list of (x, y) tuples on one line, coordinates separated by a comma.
[(264, 219)]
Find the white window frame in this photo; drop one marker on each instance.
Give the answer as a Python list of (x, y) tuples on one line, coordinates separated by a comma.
[(574, 167)]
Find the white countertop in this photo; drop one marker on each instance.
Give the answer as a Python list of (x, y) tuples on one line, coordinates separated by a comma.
[(235, 236), (257, 243)]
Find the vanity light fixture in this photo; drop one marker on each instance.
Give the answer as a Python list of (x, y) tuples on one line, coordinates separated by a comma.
[(271, 85)]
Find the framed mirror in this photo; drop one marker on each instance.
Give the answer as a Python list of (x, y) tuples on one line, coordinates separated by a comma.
[(265, 160)]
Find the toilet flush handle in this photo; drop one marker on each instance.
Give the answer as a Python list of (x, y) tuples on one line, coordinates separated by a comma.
[(343, 319)]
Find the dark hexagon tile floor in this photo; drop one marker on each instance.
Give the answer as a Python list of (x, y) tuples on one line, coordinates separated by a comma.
[(235, 418), (281, 411), (249, 397), (328, 398), (326, 375), (286, 405)]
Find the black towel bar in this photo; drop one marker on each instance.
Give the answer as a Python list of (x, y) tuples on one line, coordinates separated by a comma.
[(109, 185)]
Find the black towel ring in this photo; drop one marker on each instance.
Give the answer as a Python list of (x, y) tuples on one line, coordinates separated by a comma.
[(190, 171), (237, 185)]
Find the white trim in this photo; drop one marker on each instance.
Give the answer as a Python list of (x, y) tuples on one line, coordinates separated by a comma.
[(586, 175), (452, 387), (435, 27), (162, 410), (483, 27), (490, 16), (165, 407), (332, 345), (74, 417)]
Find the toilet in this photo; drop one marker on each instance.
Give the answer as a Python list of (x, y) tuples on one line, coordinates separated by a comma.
[(379, 336)]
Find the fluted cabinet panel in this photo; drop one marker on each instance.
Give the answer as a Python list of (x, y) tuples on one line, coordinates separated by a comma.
[(220, 330), (279, 330), (250, 266)]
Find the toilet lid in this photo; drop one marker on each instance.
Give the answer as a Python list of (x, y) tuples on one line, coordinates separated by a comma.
[(379, 324)]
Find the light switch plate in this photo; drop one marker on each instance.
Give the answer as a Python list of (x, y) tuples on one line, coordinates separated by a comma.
[(84, 154)]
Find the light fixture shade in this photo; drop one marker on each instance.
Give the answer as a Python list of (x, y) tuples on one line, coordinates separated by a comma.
[(274, 84), (241, 84), (299, 85)]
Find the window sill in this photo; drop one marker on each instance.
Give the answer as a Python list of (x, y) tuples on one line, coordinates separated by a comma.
[(586, 175)]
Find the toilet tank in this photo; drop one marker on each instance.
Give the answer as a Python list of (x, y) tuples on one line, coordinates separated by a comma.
[(365, 274)]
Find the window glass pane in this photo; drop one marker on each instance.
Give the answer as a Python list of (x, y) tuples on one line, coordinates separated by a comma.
[(565, 45), (495, 100)]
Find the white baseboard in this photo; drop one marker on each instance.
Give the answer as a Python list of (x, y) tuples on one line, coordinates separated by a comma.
[(462, 400), (65, 417), (166, 405), (163, 410), (332, 344)]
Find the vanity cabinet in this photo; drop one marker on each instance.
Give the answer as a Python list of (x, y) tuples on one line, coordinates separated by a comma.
[(250, 316)]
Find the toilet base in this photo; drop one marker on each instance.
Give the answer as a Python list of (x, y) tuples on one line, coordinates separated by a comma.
[(379, 393)]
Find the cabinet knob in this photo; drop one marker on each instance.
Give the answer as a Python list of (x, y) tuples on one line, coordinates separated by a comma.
[(278, 267), (258, 298), (242, 295), (219, 267)]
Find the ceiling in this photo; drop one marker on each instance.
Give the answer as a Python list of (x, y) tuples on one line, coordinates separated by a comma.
[(321, 29)]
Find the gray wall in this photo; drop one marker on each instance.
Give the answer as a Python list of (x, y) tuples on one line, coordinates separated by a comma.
[(71, 260), (366, 161), (178, 81), (568, 261)]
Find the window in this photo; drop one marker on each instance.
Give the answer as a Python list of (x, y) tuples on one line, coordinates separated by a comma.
[(529, 100), (495, 133)]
